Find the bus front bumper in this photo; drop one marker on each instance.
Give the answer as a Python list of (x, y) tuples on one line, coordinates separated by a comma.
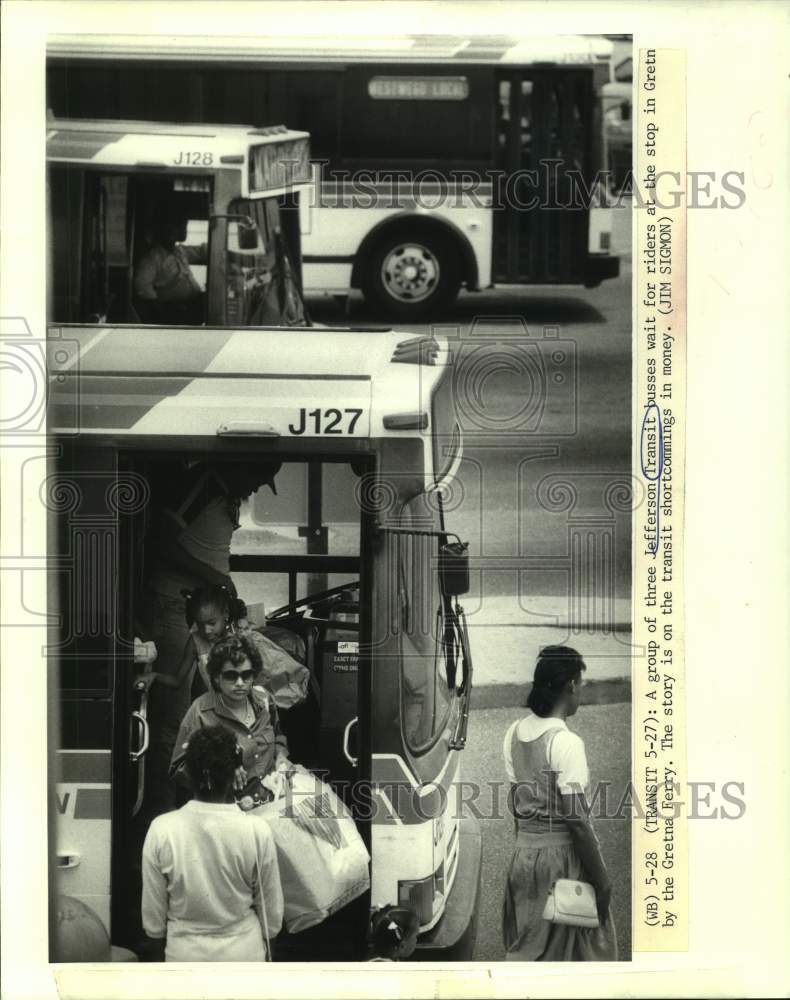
[(454, 936), (599, 267)]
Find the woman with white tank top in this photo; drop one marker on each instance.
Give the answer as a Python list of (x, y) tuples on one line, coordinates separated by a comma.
[(547, 767)]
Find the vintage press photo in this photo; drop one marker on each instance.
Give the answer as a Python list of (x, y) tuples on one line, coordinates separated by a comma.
[(357, 442)]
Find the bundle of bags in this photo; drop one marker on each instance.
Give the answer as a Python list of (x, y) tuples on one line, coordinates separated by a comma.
[(323, 861)]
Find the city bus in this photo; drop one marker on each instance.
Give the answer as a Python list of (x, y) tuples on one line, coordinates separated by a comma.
[(352, 557), (109, 183), (441, 162)]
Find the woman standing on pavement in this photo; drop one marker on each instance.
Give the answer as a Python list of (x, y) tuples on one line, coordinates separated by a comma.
[(547, 767), (211, 883)]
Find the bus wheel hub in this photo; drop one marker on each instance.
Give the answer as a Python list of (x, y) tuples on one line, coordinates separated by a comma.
[(410, 272)]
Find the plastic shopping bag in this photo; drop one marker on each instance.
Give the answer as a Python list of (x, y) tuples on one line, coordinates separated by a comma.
[(323, 862), (285, 677)]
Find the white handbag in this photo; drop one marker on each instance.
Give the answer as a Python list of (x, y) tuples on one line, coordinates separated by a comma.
[(571, 902)]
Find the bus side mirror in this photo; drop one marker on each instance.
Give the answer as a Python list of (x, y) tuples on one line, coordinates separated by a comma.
[(454, 568), (248, 237)]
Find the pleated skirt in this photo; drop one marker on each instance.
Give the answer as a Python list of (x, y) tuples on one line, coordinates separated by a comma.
[(539, 859)]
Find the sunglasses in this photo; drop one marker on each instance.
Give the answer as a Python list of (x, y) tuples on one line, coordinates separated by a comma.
[(231, 676)]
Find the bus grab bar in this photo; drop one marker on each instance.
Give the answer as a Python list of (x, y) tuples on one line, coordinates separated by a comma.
[(135, 756), (353, 761), (417, 531)]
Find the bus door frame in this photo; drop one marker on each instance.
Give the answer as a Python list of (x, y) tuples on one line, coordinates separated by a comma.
[(540, 244), (129, 455), (125, 771)]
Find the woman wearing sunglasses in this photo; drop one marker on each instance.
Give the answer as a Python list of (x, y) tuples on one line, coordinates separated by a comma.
[(236, 703)]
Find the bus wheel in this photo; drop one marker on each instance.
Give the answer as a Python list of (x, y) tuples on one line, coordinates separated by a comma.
[(411, 277)]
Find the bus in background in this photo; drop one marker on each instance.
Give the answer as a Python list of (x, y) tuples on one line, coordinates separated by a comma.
[(109, 185), (441, 161), (361, 427)]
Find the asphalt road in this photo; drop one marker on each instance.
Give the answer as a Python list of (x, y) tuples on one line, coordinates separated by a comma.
[(605, 730), (543, 388)]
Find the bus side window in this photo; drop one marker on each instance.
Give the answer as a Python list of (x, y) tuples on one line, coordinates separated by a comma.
[(105, 258), (89, 260)]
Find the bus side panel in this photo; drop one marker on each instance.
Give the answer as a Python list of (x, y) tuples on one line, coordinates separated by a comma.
[(335, 226), (84, 828)]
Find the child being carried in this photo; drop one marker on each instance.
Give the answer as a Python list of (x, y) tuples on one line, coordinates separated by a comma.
[(213, 614)]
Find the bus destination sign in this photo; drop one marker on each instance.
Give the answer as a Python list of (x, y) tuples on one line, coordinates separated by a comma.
[(418, 88)]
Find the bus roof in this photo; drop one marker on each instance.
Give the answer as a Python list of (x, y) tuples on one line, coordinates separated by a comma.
[(485, 49), (193, 383), (103, 142)]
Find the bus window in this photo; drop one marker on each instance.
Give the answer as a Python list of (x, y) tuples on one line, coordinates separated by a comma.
[(315, 97), (286, 526), (425, 695), (168, 234), (525, 129), (398, 126), (103, 226)]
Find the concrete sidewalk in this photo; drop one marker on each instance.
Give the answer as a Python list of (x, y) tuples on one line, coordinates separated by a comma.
[(505, 640)]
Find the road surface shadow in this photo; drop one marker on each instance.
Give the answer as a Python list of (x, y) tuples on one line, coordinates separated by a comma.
[(534, 308)]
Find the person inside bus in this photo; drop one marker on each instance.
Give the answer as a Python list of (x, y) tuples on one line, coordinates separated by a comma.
[(211, 882), (165, 288), (547, 767), (245, 709), (194, 513)]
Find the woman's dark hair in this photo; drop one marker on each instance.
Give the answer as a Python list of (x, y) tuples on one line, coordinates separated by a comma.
[(555, 667), (200, 597), (210, 759), (234, 649)]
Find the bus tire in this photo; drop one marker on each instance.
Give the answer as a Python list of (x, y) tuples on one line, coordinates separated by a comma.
[(412, 275)]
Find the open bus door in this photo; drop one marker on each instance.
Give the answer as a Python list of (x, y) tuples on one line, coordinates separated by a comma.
[(543, 129), (309, 545)]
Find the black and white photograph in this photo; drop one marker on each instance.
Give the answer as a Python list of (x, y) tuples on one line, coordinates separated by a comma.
[(393, 560), (341, 355)]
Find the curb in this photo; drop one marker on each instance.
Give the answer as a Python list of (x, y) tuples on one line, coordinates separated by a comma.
[(605, 692)]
